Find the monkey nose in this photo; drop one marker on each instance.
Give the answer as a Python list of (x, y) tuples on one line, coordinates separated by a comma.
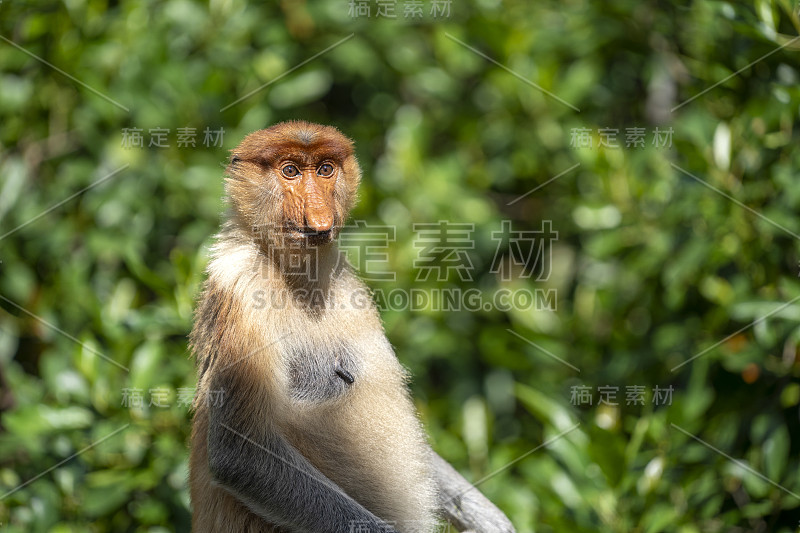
[(319, 222)]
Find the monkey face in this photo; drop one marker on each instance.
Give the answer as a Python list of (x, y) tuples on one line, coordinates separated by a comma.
[(309, 205), (294, 182)]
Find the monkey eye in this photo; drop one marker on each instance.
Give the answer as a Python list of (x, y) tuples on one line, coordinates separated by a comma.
[(290, 171), (325, 170)]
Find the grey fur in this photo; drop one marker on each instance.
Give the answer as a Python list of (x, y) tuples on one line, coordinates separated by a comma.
[(463, 505), (275, 481), (319, 377)]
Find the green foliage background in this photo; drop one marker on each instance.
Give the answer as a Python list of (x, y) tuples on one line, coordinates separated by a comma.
[(652, 266)]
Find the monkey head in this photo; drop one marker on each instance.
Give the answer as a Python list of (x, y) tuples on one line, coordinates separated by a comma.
[(294, 181)]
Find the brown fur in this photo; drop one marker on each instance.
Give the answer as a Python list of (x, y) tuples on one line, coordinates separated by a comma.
[(368, 440)]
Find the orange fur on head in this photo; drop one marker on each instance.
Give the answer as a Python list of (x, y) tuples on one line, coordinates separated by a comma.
[(311, 205)]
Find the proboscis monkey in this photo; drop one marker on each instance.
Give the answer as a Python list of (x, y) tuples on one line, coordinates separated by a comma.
[(303, 420)]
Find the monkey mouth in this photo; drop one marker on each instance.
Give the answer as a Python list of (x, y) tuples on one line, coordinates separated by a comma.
[(317, 237), (310, 237), (304, 236)]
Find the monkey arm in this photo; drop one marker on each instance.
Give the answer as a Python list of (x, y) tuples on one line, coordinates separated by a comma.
[(278, 483), (461, 504)]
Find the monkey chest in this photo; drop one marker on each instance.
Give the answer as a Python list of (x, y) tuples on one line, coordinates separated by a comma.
[(317, 374)]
